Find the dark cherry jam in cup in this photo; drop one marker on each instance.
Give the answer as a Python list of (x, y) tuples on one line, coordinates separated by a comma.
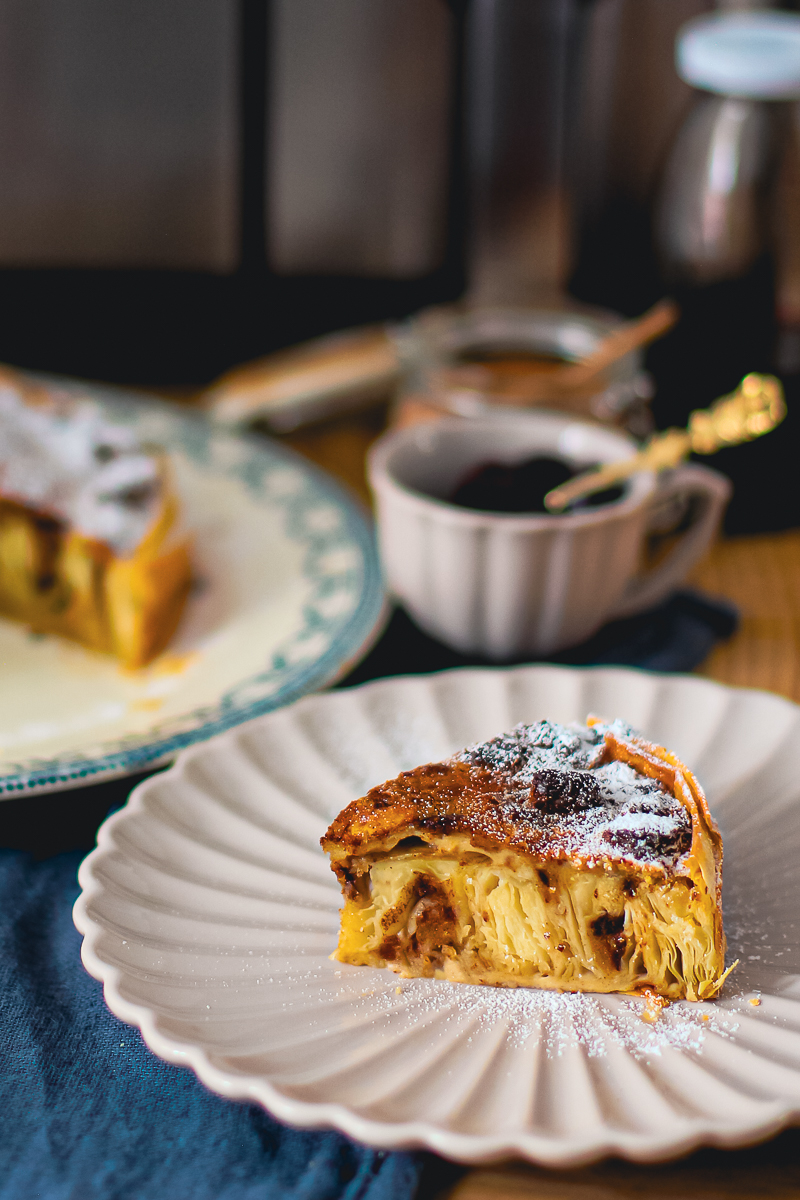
[(521, 488)]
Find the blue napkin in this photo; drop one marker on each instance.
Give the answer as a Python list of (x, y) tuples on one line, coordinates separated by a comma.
[(88, 1113)]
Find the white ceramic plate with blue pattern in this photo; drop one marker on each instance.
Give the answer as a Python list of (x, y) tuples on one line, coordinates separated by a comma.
[(288, 595)]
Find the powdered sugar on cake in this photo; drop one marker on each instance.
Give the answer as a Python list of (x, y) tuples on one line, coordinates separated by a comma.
[(590, 809), (529, 748), (65, 459)]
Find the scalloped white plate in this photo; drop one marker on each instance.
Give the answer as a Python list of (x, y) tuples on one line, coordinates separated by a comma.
[(290, 593), (209, 912)]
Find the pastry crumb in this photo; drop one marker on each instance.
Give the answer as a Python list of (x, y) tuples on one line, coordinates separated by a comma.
[(654, 1005), (146, 704), (174, 664)]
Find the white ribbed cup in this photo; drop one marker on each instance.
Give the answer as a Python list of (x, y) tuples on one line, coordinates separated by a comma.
[(505, 585)]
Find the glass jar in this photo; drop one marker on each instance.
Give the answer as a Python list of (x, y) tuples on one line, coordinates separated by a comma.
[(712, 215), (467, 361)]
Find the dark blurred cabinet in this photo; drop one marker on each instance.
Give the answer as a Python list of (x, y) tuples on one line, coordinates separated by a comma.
[(189, 183)]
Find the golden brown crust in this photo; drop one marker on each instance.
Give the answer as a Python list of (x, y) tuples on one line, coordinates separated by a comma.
[(459, 798), (659, 763)]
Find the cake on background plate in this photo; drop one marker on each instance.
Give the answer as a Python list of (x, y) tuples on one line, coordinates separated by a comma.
[(91, 545)]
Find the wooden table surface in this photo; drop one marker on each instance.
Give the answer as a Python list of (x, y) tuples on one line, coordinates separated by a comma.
[(761, 575)]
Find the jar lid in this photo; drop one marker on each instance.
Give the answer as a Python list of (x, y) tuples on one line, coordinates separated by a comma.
[(750, 54)]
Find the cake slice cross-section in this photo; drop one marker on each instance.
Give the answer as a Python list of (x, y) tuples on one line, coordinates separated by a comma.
[(580, 858)]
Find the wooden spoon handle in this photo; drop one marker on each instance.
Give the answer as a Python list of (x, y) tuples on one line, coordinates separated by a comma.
[(651, 325), (583, 378)]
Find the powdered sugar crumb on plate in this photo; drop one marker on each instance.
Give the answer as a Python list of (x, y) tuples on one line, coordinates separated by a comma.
[(561, 1021)]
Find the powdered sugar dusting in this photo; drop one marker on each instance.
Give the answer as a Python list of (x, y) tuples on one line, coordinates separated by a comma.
[(543, 746), (68, 460), (596, 810), (560, 1021)]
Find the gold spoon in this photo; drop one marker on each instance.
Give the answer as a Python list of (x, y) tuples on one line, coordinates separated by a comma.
[(755, 408)]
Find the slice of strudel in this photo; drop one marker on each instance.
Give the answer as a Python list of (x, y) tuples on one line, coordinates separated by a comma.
[(581, 858), (91, 545)]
